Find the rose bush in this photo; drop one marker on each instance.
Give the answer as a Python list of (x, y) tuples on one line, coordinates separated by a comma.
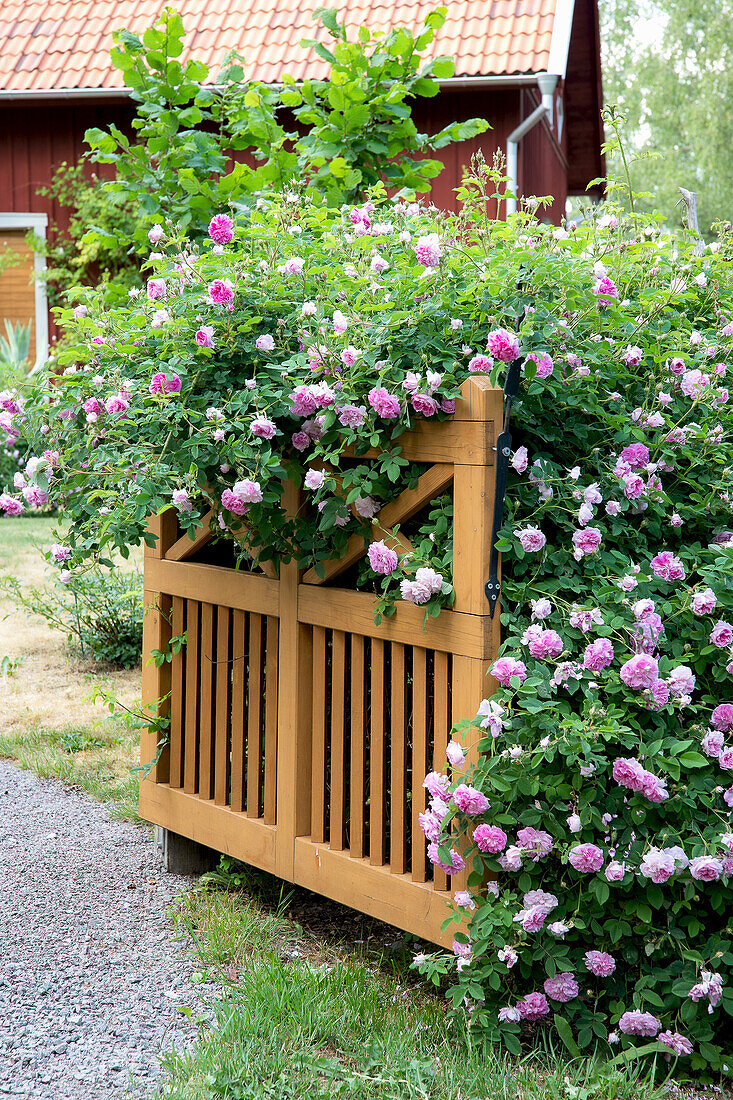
[(600, 787)]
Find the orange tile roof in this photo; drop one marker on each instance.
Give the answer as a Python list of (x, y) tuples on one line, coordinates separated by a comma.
[(64, 44)]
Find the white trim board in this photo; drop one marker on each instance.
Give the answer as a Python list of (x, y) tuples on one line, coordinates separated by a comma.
[(38, 223), (562, 28)]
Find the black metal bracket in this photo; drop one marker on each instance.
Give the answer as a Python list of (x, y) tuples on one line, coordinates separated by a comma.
[(492, 588)]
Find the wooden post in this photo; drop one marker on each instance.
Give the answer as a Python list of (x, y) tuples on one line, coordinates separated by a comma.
[(295, 687), (156, 635)]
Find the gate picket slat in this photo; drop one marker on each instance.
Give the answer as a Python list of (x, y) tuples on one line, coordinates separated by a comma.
[(254, 716), (337, 831), (190, 777), (318, 757), (440, 735), (377, 800), (419, 758), (177, 696), (206, 702), (358, 749), (239, 706), (223, 672), (398, 758), (271, 674)]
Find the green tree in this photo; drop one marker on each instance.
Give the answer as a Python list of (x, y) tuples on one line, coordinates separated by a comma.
[(340, 135), (668, 66)]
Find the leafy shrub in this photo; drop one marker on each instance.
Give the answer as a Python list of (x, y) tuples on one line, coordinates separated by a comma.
[(597, 792), (100, 612), (342, 135)]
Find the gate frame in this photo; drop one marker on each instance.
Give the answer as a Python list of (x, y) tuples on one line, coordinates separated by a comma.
[(284, 846)]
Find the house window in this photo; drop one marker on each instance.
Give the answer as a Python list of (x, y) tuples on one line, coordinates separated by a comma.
[(22, 290)]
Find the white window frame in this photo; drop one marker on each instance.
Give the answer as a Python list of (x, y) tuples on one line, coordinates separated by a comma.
[(38, 223)]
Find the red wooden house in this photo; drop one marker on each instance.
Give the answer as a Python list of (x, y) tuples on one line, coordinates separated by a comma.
[(531, 67)]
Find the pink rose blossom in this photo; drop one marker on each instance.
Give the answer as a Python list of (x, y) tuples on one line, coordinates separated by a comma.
[(490, 838), (545, 644), (381, 558), (505, 668), (722, 635), (600, 963), (722, 717), (598, 655), (455, 755), (520, 460), (605, 289), (480, 364), (428, 251), (706, 868), (712, 743), (586, 858), (657, 865), (534, 842), (233, 503), (156, 288), (456, 864), (384, 403), (678, 1044), (615, 871), (703, 602), (221, 229), (639, 1023), (265, 343), (545, 365), (667, 566), (469, 800), (531, 539), (423, 403), (221, 292), (436, 785), (503, 345), (641, 671), (263, 428), (562, 987), (533, 1006), (204, 336), (586, 541)]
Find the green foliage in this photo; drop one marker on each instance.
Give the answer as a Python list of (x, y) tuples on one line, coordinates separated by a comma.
[(666, 65), (96, 246), (15, 348), (352, 131), (99, 611)]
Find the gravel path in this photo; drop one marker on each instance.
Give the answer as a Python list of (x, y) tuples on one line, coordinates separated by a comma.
[(90, 978)]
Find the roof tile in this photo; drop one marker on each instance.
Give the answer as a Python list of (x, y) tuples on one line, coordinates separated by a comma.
[(65, 43)]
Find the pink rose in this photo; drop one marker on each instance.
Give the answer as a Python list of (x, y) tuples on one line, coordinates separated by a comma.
[(263, 428), (233, 503), (423, 403), (667, 566), (598, 655), (706, 868), (586, 541), (490, 838), (545, 366), (480, 364), (562, 987), (703, 602), (533, 1006), (636, 455), (469, 800), (586, 858), (722, 635), (156, 288), (381, 558), (221, 229), (531, 539), (428, 251), (165, 384), (503, 345), (204, 336), (221, 292), (639, 1023), (505, 668), (384, 403), (722, 717), (641, 671), (600, 963)]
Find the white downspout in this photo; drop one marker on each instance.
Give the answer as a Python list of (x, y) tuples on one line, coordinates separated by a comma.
[(547, 83)]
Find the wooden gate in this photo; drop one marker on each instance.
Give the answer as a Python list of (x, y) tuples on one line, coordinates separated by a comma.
[(301, 731)]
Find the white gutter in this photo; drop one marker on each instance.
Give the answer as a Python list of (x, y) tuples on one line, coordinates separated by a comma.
[(43, 95), (547, 83)]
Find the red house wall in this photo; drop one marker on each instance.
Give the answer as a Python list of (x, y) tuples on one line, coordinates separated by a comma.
[(35, 140)]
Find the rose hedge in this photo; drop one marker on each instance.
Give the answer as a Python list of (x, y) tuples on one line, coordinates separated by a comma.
[(601, 796)]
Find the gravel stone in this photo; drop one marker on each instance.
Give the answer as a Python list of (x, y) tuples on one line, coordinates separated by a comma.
[(91, 979)]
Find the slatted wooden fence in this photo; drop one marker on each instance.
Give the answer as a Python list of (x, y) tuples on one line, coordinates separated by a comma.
[(301, 731)]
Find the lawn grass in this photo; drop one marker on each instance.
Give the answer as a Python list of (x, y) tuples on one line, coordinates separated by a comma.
[(301, 1019), (95, 759)]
